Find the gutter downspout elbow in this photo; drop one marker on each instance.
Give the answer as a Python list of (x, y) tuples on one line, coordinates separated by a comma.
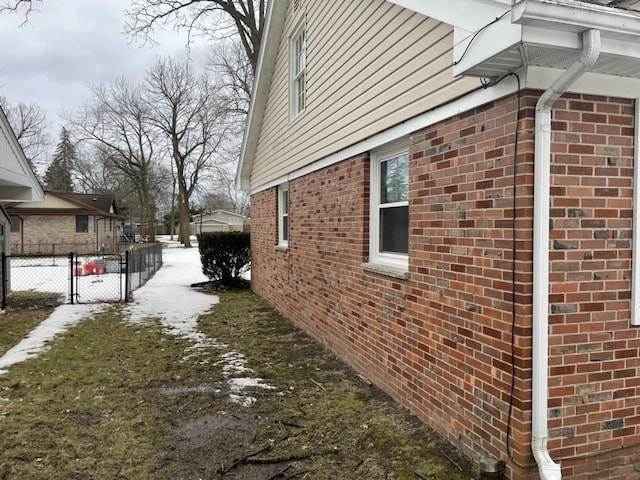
[(548, 469)]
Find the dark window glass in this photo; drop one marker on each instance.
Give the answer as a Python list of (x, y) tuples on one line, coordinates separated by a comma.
[(82, 224), (15, 224), (394, 230), (285, 215)]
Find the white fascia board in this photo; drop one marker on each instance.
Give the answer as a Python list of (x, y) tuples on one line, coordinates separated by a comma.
[(541, 78), (471, 49), (274, 24), (470, 15), (577, 17), (571, 40)]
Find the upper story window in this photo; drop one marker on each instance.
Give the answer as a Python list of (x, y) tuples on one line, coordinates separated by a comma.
[(283, 215), (82, 224), (389, 227), (298, 70)]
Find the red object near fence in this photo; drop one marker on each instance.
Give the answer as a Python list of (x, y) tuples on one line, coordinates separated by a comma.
[(88, 268)]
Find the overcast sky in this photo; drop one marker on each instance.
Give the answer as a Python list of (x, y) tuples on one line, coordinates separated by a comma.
[(69, 45)]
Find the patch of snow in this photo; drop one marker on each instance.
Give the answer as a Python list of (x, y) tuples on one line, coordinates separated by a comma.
[(233, 362), (245, 401), (62, 318), (168, 297), (238, 384)]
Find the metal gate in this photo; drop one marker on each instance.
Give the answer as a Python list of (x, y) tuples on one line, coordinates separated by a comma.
[(55, 279), (97, 278)]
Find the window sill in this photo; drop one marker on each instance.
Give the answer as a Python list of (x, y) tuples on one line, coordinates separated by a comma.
[(282, 248), (388, 270)]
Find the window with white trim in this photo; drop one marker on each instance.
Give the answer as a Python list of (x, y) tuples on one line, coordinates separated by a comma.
[(283, 215), (389, 226), (298, 70)]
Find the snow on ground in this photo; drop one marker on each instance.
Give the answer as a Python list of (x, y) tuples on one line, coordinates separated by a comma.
[(167, 297), (51, 274), (62, 318)]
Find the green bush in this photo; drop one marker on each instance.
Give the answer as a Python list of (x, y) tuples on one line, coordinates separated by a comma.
[(225, 257)]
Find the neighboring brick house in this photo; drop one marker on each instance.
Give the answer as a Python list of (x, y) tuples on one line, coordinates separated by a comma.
[(443, 193), (65, 222)]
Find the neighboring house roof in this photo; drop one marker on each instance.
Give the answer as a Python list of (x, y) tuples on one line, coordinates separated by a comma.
[(17, 179), (62, 203), (227, 212), (219, 216), (492, 38), (212, 221)]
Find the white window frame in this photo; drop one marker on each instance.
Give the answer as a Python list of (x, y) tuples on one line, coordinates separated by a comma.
[(283, 215), (298, 67), (376, 256)]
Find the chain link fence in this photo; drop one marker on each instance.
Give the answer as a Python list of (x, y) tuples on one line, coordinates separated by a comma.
[(77, 278), (140, 265)]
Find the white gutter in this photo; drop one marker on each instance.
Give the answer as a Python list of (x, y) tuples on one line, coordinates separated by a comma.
[(549, 470)]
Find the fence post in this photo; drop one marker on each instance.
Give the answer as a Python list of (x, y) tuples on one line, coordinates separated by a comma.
[(126, 275), (5, 280), (71, 276)]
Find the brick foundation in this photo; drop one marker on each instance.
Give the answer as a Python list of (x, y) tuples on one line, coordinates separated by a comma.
[(441, 341)]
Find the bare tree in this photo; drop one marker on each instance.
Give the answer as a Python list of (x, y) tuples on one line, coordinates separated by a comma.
[(228, 63), (117, 120), (188, 111), (19, 6), (212, 18), (221, 192), (30, 126), (95, 171)]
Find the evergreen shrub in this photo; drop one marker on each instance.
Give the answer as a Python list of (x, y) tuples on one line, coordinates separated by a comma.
[(225, 257)]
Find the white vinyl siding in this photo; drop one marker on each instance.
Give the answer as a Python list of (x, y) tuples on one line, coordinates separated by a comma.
[(370, 65)]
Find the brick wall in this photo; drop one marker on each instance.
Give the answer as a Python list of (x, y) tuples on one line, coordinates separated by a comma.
[(594, 353), (39, 233), (441, 341)]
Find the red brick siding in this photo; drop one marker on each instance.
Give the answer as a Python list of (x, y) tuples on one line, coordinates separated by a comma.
[(440, 342), (594, 353), (461, 276)]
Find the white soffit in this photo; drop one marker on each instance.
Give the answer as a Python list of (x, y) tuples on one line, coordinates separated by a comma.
[(575, 16), (547, 33)]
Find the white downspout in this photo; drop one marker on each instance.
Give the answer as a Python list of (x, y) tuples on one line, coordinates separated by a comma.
[(549, 470)]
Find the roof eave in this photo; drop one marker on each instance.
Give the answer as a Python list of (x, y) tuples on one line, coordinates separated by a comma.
[(35, 191), (555, 25), (273, 26), (579, 16)]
